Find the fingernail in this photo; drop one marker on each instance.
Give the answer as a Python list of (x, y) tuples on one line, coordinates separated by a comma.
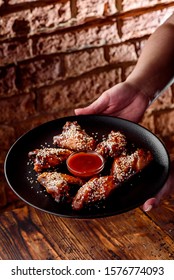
[(148, 208)]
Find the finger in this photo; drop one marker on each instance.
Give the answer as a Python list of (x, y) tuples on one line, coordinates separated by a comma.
[(167, 189), (84, 111), (97, 107), (149, 204), (91, 109), (154, 202)]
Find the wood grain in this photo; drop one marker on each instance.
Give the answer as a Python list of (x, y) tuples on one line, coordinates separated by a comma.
[(27, 233)]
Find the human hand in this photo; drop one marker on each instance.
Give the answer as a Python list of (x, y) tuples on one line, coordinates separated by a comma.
[(123, 100), (167, 189), (126, 101)]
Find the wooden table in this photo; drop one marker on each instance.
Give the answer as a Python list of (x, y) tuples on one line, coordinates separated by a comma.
[(27, 233)]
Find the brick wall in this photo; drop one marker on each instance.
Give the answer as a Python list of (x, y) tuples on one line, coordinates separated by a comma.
[(58, 55)]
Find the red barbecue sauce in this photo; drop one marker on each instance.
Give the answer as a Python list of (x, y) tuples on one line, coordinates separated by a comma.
[(85, 164)]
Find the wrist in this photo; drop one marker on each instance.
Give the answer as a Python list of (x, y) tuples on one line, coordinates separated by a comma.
[(148, 88), (140, 90)]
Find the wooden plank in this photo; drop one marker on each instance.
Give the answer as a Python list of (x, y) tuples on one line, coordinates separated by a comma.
[(163, 215), (25, 236), (21, 238), (128, 236), (27, 233)]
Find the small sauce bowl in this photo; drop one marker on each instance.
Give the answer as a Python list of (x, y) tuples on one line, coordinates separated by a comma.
[(85, 164)]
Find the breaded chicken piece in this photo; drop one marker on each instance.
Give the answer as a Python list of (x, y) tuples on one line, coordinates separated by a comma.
[(95, 190), (113, 146), (48, 157), (58, 185), (75, 138), (125, 165)]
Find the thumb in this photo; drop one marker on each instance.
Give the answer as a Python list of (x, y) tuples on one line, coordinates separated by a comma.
[(149, 204), (96, 107), (84, 111)]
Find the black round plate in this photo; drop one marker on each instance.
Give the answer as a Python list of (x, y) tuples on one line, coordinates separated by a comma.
[(22, 179)]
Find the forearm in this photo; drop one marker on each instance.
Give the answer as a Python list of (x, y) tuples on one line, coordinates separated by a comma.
[(155, 67)]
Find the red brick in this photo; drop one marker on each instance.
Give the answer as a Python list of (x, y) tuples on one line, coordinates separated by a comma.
[(7, 81), (13, 2), (139, 26), (30, 123), (169, 142), (35, 20), (77, 39), (7, 136), (172, 89), (17, 108), (7, 196), (97, 36), (39, 73), (148, 121), (3, 155), (122, 53), (163, 101), (9, 24), (164, 123), (155, 117), (15, 51), (54, 43), (135, 4), (77, 92), (128, 70), (140, 45), (49, 16), (87, 9), (83, 61)]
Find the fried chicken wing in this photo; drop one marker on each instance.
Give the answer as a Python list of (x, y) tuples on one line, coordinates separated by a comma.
[(94, 191), (48, 157), (73, 137), (58, 185), (113, 146), (125, 165)]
